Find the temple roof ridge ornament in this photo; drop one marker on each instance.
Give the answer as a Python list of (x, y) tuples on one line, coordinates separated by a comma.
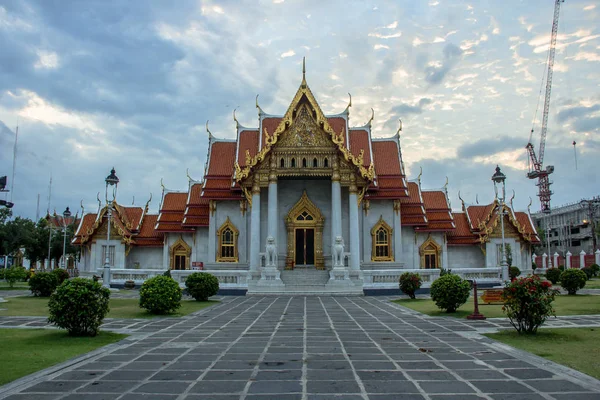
[(337, 138)]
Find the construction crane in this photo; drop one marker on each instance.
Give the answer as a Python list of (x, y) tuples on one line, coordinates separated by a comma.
[(536, 170)]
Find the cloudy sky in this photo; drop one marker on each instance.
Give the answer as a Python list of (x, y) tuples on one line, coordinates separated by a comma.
[(96, 84)]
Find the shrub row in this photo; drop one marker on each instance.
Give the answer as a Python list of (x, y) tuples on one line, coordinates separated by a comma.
[(571, 279)]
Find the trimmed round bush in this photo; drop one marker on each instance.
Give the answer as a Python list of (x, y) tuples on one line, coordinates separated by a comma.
[(595, 269), (553, 275), (572, 280), (513, 272), (79, 305), (450, 292), (528, 303), (61, 275), (43, 284), (160, 295), (588, 272), (409, 283), (15, 274), (201, 285)]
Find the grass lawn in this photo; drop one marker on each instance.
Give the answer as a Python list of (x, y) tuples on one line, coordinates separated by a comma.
[(563, 304), (593, 283), (25, 351), (17, 286), (566, 346), (119, 308)]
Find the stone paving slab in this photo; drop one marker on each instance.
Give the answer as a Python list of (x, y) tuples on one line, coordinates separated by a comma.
[(256, 348)]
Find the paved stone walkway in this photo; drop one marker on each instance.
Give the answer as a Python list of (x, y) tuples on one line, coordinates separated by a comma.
[(307, 348)]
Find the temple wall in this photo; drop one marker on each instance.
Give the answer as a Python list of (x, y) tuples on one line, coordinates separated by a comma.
[(170, 239), (231, 209), (377, 209), (96, 256), (145, 258), (465, 257), (411, 252), (200, 249)]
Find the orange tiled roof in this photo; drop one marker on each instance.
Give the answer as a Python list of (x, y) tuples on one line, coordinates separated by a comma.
[(194, 195), (338, 124), (270, 123), (359, 140), (462, 234), (478, 213), (248, 140), (527, 225), (222, 159), (84, 226), (174, 201), (385, 153)]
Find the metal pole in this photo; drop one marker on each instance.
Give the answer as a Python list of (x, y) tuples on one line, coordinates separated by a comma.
[(49, 244), (548, 239), (106, 277), (503, 264), (64, 246)]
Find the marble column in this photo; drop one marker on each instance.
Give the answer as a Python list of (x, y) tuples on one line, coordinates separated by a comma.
[(397, 232), (354, 235), (212, 233), (272, 210), (255, 229), (338, 275)]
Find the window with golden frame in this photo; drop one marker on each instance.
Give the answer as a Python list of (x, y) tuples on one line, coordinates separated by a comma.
[(228, 235), (430, 253), (381, 237)]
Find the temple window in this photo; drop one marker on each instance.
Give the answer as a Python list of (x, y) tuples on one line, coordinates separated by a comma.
[(304, 163), (381, 237), (282, 163), (180, 253), (326, 163), (293, 163), (430, 253), (228, 236), (314, 163)]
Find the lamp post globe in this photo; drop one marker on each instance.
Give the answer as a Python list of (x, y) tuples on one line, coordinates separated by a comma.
[(500, 179), (111, 180)]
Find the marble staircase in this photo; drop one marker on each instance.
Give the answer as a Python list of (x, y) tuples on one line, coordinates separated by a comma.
[(306, 281)]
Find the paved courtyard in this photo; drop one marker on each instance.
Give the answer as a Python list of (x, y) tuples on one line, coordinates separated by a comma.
[(286, 348)]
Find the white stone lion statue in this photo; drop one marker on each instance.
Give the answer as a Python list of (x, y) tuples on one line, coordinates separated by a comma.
[(271, 252), (338, 252)]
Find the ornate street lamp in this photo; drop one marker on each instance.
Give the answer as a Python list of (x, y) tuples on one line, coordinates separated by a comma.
[(499, 179), (65, 222), (111, 181)]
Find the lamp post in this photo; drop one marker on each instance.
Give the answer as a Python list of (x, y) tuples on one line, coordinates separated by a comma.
[(66, 221), (499, 179), (112, 181)]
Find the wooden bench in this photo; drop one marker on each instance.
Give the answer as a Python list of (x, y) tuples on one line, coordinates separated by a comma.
[(491, 296)]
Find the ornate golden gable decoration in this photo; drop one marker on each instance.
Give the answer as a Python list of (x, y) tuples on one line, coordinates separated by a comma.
[(180, 248), (381, 224), (486, 228), (94, 228), (228, 225), (286, 122)]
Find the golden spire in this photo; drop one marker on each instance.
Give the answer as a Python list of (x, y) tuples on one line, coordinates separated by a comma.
[(419, 177), (372, 116), (210, 135), (349, 103), (237, 124), (303, 72)]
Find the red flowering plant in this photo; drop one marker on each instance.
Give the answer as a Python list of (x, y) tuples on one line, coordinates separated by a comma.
[(409, 283), (528, 303)]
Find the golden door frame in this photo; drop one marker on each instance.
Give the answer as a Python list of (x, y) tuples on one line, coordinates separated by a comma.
[(292, 223)]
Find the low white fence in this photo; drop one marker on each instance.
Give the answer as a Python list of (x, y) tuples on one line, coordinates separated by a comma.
[(389, 278)]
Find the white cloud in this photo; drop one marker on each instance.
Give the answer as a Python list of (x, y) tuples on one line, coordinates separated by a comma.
[(380, 46), (417, 42), (590, 7), (494, 25), (382, 36), (288, 53), (47, 60), (38, 109), (393, 25), (434, 3), (438, 40), (586, 56), (278, 1)]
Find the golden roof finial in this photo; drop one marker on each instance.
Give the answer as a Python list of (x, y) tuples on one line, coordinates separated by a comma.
[(237, 124), (477, 198), (148, 203), (82, 209), (349, 103), (446, 186), (372, 116), (399, 127), (529, 206), (210, 135), (99, 202), (187, 172), (462, 201), (511, 200), (419, 177), (304, 70)]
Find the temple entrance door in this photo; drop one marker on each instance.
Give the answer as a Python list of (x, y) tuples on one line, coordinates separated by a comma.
[(305, 246), (304, 224)]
